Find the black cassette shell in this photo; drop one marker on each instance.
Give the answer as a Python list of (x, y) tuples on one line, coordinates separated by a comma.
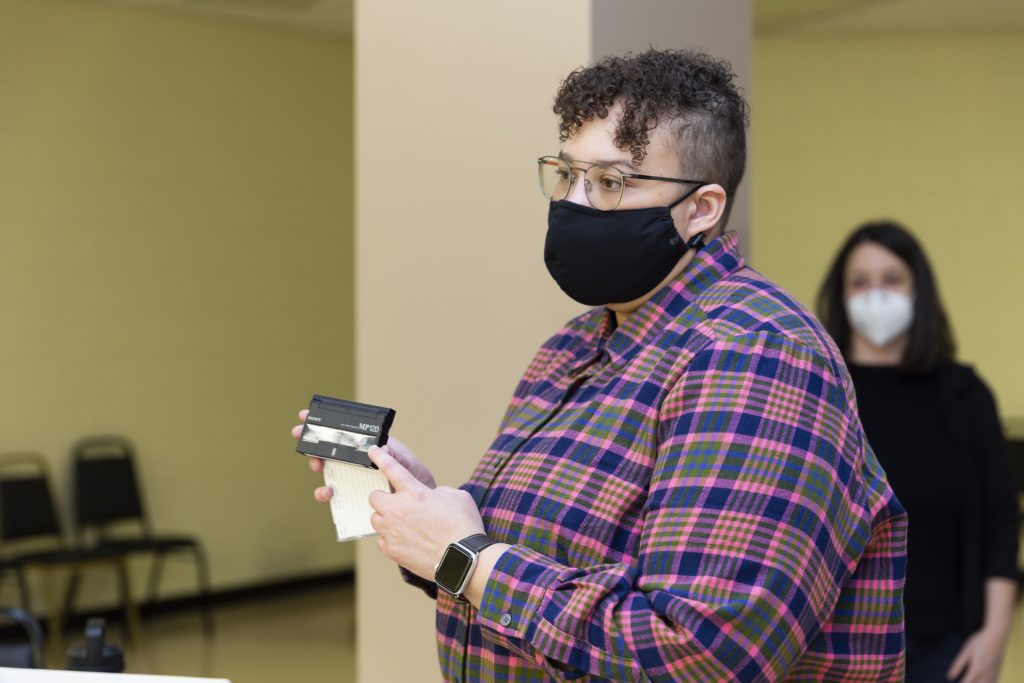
[(342, 430)]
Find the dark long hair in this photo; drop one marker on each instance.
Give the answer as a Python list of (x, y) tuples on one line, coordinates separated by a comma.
[(931, 339)]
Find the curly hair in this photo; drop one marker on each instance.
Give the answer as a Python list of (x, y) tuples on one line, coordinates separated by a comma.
[(690, 90)]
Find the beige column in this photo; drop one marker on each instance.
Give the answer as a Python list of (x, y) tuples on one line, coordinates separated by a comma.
[(453, 105)]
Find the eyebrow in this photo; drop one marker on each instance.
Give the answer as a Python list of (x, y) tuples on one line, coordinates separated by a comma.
[(628, 163)]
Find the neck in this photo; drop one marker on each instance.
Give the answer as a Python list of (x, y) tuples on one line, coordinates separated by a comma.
[(623, 311), (863, 352)]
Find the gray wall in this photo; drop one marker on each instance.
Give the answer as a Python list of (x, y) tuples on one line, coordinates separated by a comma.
[(723, 29)]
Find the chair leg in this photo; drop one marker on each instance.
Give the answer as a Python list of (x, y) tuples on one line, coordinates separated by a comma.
[(131, 613), (156, 569), (25, 594), (56, 620), (203, 579), (71, 593)]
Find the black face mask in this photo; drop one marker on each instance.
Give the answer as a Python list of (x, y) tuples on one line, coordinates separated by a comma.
[(611, 257)]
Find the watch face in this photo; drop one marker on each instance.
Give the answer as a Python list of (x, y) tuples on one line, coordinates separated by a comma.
[(453, 569)]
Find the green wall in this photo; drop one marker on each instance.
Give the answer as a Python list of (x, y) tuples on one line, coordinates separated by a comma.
[(175, 263), (923, 129)]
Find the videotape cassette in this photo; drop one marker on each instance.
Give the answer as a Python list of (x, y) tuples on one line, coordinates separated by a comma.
[(344, 430)]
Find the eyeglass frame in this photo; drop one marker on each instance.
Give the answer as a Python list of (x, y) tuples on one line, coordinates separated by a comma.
[(637, 176)]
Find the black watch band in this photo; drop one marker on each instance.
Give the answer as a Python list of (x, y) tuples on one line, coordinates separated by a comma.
[(476, 542)]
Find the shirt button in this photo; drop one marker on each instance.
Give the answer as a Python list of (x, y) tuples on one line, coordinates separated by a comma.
[(506, 619)]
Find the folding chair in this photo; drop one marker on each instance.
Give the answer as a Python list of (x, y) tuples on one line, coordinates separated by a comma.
[(28, 518), (107, 494)]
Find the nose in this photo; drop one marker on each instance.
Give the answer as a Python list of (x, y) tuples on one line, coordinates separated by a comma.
[(578, 191)]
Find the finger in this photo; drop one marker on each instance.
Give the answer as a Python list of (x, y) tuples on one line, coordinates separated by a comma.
[(977, 672), (376, 520), (297, 429), (400, 478), (323, 494), (959, 664), (398, 455), (378, 500), (972, 674), (316, 464), (397, 446)]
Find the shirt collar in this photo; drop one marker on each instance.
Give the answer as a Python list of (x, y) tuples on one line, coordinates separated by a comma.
[(711, 263)]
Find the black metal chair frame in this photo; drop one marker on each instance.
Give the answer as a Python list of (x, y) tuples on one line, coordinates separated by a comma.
[(36, 645), (24, 594), (60, 555)]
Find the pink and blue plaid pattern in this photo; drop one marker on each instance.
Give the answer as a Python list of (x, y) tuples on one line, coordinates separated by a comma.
[(690, 497)]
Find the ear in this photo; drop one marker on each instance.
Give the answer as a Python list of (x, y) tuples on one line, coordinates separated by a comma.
[(703, 210)]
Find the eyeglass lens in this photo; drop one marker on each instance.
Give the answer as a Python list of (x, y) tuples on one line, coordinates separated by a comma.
[(603, 184)]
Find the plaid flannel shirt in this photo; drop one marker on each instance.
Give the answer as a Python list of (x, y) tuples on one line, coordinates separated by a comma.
[(689, 497)]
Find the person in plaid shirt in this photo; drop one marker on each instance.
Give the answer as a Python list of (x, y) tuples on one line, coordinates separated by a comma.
[(680, 489)]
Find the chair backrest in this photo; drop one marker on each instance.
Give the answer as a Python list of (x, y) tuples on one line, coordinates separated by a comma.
[(26, 503), (105, 486)]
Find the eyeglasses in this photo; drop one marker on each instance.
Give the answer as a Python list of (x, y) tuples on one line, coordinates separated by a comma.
[(603, 184)]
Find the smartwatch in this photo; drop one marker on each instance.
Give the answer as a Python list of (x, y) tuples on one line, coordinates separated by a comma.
[(453, 573)]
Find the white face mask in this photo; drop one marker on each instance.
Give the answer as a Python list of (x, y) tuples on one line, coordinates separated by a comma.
[(880, 315)]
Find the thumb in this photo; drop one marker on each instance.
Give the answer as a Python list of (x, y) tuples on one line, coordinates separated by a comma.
[(399, 477)]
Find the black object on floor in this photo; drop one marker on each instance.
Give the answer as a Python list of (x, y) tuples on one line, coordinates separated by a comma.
[(95, 654)]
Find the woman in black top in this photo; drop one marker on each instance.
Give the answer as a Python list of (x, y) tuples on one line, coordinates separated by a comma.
[(934, 427)]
